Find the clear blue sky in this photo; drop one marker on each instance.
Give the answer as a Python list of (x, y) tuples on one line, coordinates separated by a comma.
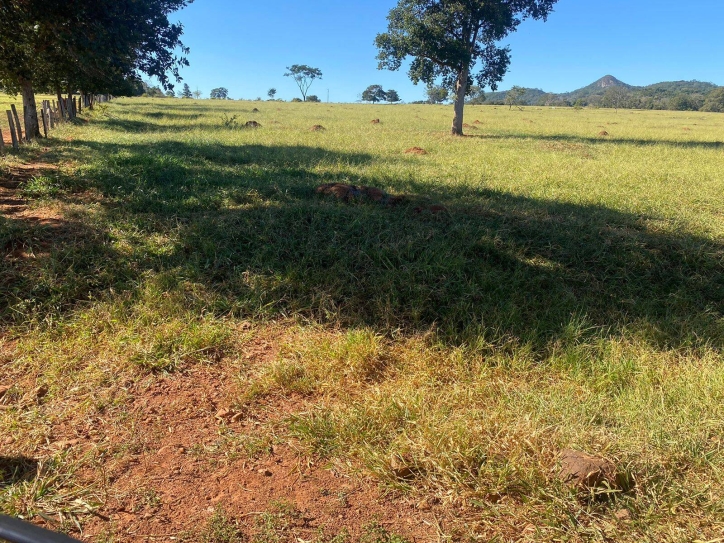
[(245, 46)]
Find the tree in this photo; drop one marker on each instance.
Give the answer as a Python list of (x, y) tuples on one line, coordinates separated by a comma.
[(374, 94), (436, 94), (514, 97), (303, 76), (714, 101), (313, 98), (614, 97), (448, 38), (391, 96), (197, 93), (170, 94), (219, 94), (271, 93), (476, 95), (186, 92), (98, 46)]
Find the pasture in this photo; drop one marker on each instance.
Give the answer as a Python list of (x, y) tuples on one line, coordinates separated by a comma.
[(197, 345)]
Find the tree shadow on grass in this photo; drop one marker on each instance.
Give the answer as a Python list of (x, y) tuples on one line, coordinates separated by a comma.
[(688, 144), (245, 223)]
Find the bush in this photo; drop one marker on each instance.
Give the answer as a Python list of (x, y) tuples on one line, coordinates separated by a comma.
[(313, 98)]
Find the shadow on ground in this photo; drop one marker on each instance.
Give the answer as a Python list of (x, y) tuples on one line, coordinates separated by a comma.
[(245, 223)]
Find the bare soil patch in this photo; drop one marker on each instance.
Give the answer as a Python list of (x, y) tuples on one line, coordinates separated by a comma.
[(415, 151), (318, 128)]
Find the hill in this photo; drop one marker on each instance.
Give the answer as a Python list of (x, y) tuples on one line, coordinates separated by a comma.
[(689, 95)]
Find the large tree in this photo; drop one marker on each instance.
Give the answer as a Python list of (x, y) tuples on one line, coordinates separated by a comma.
[(374, 94), (303, 76), (221, 93), (448, 38), (100, 46)]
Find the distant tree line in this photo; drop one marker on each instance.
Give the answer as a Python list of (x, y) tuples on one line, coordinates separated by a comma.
[(675, 96)]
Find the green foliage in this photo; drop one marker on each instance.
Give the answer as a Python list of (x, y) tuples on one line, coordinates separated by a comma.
[(186, 92), (392, 96), (303, 76), (514, 97), (313, 98), (714, 101), (374, 94), (436, 94), (448, 39), (220, 529), (271, 93), (220, 93)]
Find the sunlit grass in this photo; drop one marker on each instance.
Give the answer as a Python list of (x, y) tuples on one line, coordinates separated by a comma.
[(570, 296)]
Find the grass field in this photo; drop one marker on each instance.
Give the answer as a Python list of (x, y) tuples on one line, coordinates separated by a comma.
[(171, 279)]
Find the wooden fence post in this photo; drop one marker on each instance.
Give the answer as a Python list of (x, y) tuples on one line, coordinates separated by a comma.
[(18, 130), (51, 114), (45, 123), (2, 142), (13, 134)]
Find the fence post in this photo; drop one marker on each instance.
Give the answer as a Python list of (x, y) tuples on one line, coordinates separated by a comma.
[(2, 142), (13, 134), (45, 123), (50, 113), (18, 130)]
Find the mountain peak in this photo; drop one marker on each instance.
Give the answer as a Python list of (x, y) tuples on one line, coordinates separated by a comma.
[(609, 81)]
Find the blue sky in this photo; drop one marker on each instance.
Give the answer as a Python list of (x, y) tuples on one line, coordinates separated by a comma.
[(245, 46)]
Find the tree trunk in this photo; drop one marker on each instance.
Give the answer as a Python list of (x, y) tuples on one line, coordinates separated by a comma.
[(461, 89), (30, 110), (71, 109)]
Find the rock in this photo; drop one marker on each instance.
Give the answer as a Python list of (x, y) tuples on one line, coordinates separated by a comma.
[(63, 445), (603, 133), (623, 514), (41, 392), (252, 124), (255, 110), (586, 471), (318, 128), (265, 472), (224, 414)]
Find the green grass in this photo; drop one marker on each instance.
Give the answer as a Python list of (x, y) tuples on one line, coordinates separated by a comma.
[(571, 296)]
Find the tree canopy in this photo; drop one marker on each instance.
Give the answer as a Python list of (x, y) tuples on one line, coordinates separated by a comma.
[(374, 94), (220, 93), (448, 38), (303, 76), (100, 46)]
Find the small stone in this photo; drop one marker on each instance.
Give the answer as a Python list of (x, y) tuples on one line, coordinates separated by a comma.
[(623, 514), (586, 471), (265, 472), (223, 414), (41, 391), (63, 445)]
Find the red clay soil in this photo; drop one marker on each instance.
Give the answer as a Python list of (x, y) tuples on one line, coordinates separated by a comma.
[(174, 428), (415, 151)]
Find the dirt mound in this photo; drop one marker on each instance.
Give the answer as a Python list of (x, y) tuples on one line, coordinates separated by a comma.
[(466, 125), (318, 128), (434, 209), (375, 121), (415, 151), (603, 133), (252, 124), (686, 129), (255, 110), (348, 193), (477, 122), (585, 471)]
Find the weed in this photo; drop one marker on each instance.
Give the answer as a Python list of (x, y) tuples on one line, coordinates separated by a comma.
[(220, 529)]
